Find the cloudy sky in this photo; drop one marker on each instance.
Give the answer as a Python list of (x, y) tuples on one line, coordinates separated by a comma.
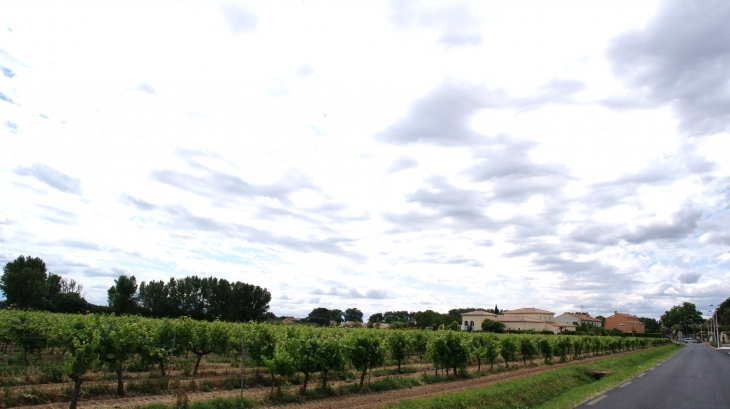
[(380, 155)]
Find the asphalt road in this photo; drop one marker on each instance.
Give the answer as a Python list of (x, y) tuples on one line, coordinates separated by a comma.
[(696, 377)]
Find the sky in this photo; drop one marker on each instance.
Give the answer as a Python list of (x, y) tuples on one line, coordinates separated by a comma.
[(381, 155)]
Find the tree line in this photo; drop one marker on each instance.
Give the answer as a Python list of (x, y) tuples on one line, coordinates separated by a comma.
[(206, 299), (27, 284)]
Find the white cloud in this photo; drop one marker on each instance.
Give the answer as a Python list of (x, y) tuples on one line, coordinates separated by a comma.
[(461, 154)]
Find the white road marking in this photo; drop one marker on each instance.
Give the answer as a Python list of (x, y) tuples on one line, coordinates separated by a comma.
[(642, 374), (625, 384), (598, 399)]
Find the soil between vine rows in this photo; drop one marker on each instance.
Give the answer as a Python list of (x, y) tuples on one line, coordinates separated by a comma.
[(362, 401)]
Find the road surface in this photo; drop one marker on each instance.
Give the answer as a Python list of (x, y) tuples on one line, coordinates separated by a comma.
[(694, 378)]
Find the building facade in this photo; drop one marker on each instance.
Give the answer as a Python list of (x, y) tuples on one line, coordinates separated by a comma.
[(624, 322), (578, 319)]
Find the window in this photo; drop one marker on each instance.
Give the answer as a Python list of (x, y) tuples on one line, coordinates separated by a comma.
[(466, 323), (621, 325)]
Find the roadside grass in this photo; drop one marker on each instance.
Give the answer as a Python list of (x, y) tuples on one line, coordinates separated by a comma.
[(561, 388), (624, 369)]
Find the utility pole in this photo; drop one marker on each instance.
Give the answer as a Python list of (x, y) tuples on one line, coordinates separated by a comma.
[(243, 346)]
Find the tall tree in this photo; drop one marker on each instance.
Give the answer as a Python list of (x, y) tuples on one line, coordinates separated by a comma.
[(651, 324), (353, 315), (320, 316), (684, 316), (24, 282), (723, 315), (398, 316), (376, 318), (122, 296)]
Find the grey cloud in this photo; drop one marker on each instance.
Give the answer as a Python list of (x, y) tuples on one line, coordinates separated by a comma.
[(402, 163), (138, 203), (146, 88), (222, 186), (484, 243), (372, 293), (331, 291), (657, 173), (7, 72), (51, 177), (595, 233), (182, 219), (683, 223), (121, 271), (455, 21), (722, 238), (442, 117), (305, 70), (12, 126), (57, 215), (239, 18), (448, 207), (507, 165), (689, 278), (680, 58)]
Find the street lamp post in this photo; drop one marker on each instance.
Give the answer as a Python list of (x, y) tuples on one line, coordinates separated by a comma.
[(717, 335)]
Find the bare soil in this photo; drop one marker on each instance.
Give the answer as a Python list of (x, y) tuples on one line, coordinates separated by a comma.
[(367, 400)]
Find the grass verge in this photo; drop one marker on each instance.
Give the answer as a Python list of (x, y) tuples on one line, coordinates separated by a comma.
[(561, 388)]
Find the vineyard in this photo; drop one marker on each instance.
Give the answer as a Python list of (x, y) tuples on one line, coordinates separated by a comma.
[(63, 358)]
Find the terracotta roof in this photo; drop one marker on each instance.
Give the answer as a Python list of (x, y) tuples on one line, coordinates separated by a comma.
[(478, 313), (531, 310), (625, 314), (517, 318), (583, 317)]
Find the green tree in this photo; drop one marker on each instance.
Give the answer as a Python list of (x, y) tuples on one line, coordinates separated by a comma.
[(375, 318), (398, 346), (320, 316), (723, 315), (491, 346), (122, 296), (24, 282), (507, 347), (398, 316), (528, 348), (353, 315), (366, 352), (493, 326), (432, 319), (546, 349), (651, 324), (685, 316)]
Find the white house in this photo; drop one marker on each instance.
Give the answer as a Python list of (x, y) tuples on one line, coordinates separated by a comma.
[(578, 319)]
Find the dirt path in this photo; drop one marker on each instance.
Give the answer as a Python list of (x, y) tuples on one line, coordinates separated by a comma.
[(378, 400), (369, 400)]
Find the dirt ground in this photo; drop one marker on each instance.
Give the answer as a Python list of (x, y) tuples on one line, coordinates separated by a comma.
[(369, 400)]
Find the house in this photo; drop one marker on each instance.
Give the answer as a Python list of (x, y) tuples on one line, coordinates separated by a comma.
[(536, 313), (624, 322), (523, 319), (474, 319), (291, 320), (578, 318)]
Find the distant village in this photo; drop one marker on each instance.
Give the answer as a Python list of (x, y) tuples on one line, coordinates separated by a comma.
[(522, 319)]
